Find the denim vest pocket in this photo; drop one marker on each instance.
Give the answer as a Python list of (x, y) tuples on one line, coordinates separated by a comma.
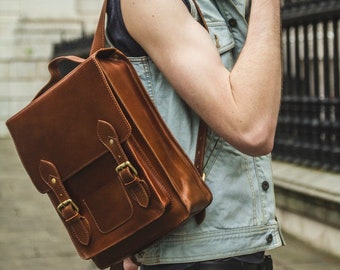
[(224, 42), (222, 37)]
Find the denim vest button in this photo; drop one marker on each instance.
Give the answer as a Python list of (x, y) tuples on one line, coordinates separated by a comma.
[(269, 238), (232, 22), (265, 185)]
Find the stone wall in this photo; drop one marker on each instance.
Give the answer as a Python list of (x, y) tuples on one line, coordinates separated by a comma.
[(308, 205), (28, 30)]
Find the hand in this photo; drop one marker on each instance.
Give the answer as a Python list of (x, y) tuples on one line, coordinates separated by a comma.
[(128, 264)]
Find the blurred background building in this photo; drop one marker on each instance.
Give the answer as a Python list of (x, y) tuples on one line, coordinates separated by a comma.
[(306, 164), (28, 31)]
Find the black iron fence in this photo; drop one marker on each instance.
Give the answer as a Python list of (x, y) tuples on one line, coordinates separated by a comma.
[(309, 124), (308, 131)]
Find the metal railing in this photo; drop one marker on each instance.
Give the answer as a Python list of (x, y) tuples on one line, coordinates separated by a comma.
[(308, 131)]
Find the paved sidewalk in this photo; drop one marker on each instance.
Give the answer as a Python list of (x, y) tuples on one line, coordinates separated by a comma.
[(32, 237)]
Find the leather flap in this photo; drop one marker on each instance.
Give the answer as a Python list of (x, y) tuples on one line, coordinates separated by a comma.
[(60, 126)]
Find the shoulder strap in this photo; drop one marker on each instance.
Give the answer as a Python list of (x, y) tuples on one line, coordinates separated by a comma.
[(99, 36), (202, 132), (200, 14)]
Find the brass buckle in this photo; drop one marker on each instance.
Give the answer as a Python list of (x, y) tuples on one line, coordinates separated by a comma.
[(124, 165), (65, 203)]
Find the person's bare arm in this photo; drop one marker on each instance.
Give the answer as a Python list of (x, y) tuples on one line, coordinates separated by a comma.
[(242, 105)]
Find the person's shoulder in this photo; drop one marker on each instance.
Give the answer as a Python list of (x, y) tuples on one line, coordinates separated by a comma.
[(155, 18)]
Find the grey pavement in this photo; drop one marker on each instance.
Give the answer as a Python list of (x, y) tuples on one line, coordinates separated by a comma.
[(32, 237)]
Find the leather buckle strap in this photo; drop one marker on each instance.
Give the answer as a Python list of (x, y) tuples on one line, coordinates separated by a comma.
[(124, 165), (65, 203), (126, 171), (199, 159), (200, 147), (202, 134), (66, 208)]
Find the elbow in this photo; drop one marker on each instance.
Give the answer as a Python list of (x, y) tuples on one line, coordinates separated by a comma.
[(257, 142), (260, 146)]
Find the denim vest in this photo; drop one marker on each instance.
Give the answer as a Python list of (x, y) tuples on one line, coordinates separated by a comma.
[(241, 219)]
